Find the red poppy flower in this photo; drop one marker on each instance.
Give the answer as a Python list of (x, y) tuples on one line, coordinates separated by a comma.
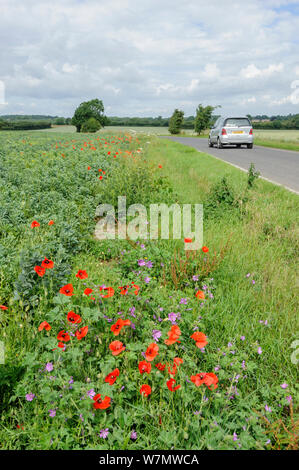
[(200, 339), (111, 378), (198, 379), (88, 291), (144, 366), (172, 371), (39, 270), (51, 222), (178, 361), (44, 325), (73, 317), (63, 336), (145, 390), (188, 240), (88, 167), (117, 327), (81, 274), (109, 290), (124, 290), (209, 379), (200, 294), (136, 288), (82, 332), (116, 347), (47, 263), (205, 249), (67, 290), (100, 404), (170, 384), (173, 335), (160, 166), (35, 224), (160, 366), (3, 307), (151, 352), (61, 345)]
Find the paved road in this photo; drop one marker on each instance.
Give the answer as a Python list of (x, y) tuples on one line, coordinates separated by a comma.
[(278, 166)]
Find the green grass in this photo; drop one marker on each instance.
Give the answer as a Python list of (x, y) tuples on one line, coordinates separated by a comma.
[(264, 242)]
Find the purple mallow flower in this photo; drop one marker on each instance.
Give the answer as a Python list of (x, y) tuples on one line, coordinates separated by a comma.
[(173, 317), (104, 433), (30, 396), (156, 334), (91, 393), (49, 367)]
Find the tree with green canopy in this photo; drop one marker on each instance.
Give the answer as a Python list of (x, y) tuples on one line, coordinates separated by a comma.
[(176, 121), (89, 109), (203, 117)]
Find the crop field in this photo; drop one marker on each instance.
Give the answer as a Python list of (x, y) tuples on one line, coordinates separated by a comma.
[(291, 136), (120, 344), (147, 130)]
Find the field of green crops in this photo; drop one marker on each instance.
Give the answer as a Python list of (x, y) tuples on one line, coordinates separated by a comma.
[(142, 345)]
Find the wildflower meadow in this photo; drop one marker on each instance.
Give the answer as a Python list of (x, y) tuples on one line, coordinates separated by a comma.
[(138, 344)]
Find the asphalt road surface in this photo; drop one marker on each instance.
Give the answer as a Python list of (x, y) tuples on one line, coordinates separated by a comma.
[(276, 165)]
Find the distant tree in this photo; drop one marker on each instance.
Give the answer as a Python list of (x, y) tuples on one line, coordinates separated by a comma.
[(276, 124), (176, 121), (91, 125), (203, 117), (59, 121), (89, 109), (295, 121)]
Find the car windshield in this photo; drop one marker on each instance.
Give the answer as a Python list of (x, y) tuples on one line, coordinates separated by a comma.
[(237, 122)]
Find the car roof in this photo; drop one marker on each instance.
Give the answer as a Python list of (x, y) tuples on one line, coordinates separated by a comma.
[(231, 116)]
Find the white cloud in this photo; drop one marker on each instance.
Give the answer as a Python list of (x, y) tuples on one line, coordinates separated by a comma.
[(69, 68), (251, 71), (252, 99), (211, 71)]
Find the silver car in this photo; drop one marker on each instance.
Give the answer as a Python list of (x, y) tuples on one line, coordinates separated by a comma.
[(231, 131)]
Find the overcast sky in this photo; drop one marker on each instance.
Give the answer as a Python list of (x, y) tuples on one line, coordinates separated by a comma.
[(147, 57)]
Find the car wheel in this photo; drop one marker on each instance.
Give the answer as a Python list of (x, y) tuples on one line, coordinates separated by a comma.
[(238, 146), (249, 146), (210, 143), (219, 144)]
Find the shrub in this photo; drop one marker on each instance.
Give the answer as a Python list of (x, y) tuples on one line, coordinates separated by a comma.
[(176, 122), (91, 125)]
